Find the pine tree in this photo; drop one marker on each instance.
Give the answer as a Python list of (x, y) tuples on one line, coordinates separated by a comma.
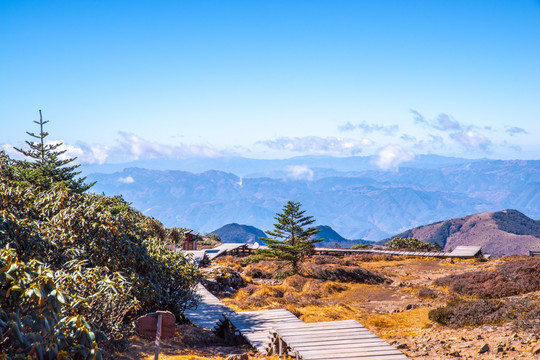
[(291, 240), (46, 168)]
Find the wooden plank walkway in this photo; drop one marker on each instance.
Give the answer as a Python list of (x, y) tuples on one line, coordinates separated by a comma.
[(256, 326), (343, 340), (209, 312), (275, 331), (223, 249)]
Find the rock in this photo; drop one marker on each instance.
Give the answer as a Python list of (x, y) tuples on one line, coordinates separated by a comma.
[(455, 354), (484, 349), (536, 349), (237, 357), (403, 346)]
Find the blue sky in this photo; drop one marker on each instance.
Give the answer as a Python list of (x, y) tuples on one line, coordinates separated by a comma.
[(125, 80)]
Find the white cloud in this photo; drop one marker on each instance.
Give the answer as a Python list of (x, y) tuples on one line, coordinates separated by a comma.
[(126, 180), (134, 147), (472, 140), (11, 152), (86, 154), (318, 145), (299, 172), (391, 156)]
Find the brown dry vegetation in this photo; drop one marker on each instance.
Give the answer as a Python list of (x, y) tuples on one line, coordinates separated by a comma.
[(397, 307), (394, 301)]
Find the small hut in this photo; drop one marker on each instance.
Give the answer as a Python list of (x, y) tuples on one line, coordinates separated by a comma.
[(191, 240)]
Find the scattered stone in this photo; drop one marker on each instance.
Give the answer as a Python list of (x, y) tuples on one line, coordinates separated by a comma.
[(484, 349), (455, 354), (237, 357), (403, 346)]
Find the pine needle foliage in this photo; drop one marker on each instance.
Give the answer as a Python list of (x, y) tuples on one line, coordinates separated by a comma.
[(291, 240), (45, 167)]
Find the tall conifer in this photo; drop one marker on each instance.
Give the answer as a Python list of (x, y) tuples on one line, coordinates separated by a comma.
[(291, 240), (46, 168)]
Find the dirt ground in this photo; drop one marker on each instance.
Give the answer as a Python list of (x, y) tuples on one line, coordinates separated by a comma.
[(393, 311)]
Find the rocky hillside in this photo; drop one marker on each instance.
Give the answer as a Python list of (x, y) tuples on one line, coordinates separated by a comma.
[(499, 233)]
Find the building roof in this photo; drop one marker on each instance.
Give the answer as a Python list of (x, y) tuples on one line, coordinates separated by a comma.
[(466, 251), (192, 232)]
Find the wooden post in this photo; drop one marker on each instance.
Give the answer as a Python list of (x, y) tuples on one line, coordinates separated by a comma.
[(158, 336)]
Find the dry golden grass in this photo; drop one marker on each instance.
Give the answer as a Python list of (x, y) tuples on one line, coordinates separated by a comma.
[(401, 323), (314, 313), (182, 357)]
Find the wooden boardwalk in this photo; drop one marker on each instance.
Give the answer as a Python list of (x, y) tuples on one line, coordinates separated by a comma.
[(209, 311), (279, 332), (256, 326), (343, 340)]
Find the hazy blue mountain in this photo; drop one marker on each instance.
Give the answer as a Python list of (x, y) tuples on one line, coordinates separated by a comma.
[(366, 204), (332, 238), (236, 233), (276, 168)]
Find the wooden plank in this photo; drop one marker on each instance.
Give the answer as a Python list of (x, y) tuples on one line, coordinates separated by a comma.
[(381, 350), (339, 345), (209, 310), (298, 338), (352, 337), (366, 357)]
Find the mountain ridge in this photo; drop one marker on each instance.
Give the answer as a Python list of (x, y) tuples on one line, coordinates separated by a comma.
[(370, 204), (506, 232)]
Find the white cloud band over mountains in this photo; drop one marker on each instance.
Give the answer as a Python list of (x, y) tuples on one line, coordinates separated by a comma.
[(442, 134)]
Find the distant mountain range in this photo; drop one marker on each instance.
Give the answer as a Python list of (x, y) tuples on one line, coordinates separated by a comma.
[(351, 195), (237, 233), (507, 232)]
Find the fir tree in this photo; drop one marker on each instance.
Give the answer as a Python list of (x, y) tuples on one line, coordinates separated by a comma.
[(291, 240), (45, 168)]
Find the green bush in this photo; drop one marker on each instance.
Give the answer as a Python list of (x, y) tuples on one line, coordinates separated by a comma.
[(36, 318), (108, 258), (411, 244)]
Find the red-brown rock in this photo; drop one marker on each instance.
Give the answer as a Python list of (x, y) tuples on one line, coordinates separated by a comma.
[(147, 324)]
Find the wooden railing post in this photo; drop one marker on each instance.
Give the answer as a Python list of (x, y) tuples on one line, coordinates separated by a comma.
[(158, 337)]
